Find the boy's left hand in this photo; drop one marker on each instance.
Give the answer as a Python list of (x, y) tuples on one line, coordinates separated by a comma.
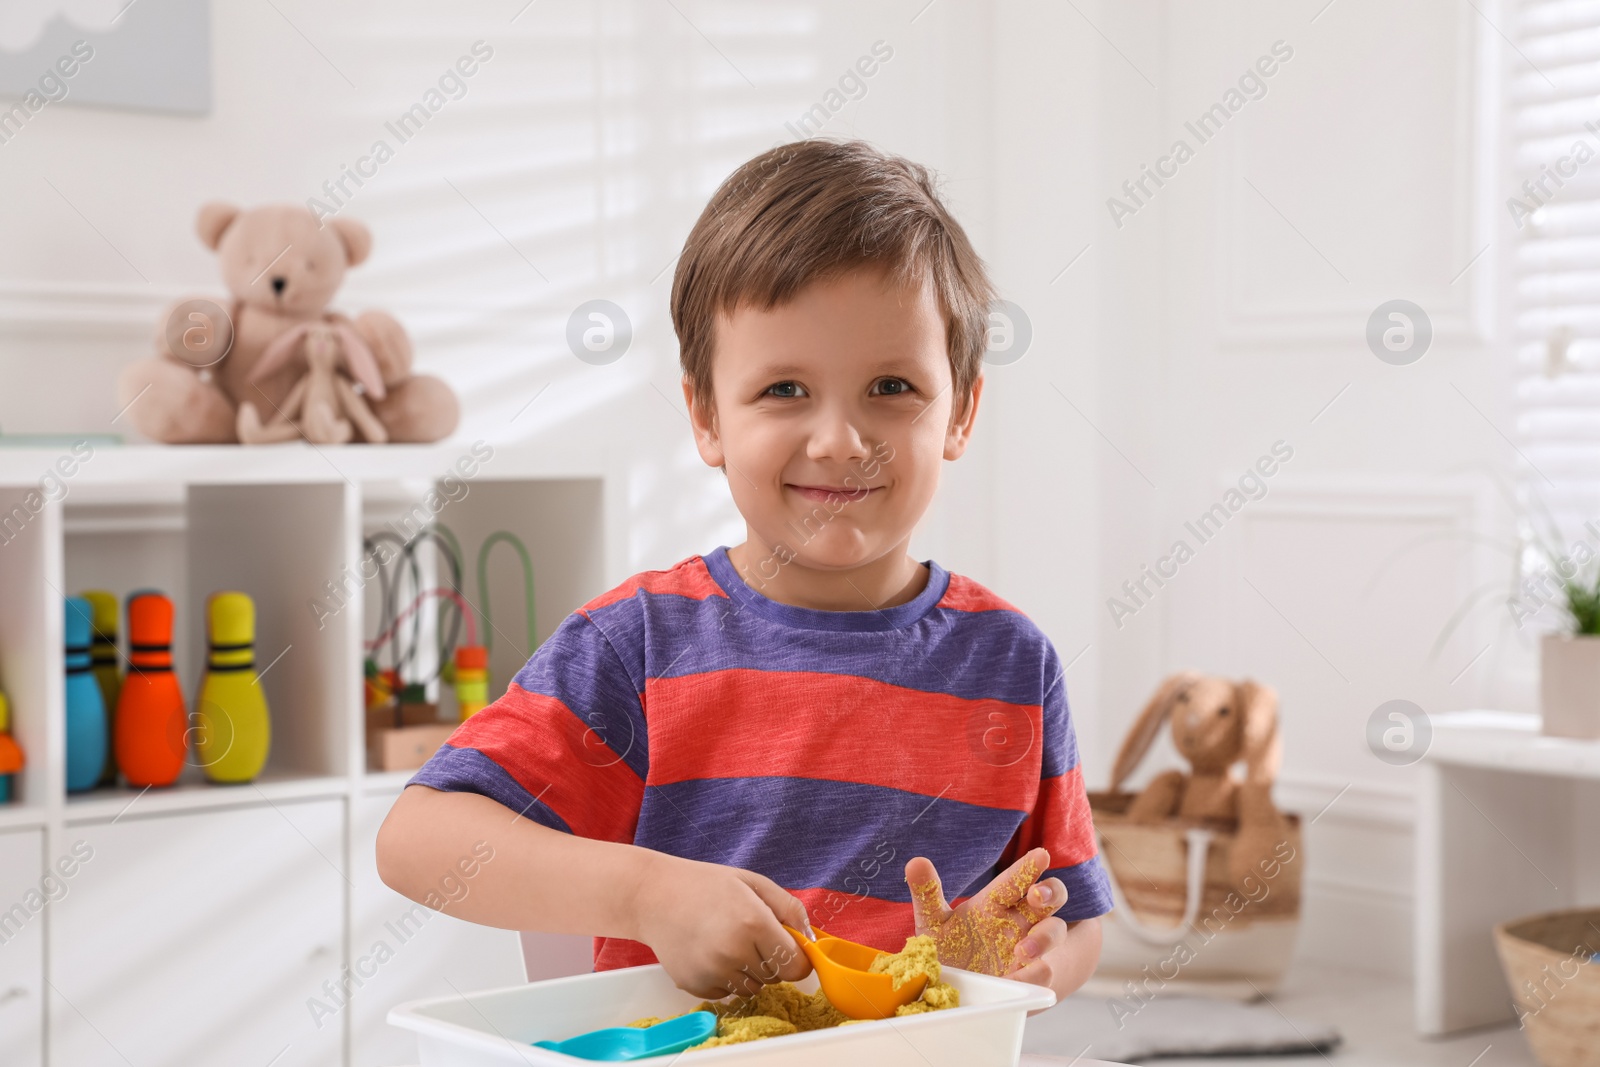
[(1006, 929)]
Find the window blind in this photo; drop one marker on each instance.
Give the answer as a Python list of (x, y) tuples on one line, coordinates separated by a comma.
[(570, 169), (1554, 200)]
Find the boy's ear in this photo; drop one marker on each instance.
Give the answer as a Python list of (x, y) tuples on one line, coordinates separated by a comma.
[(703, 417), (959, 435)]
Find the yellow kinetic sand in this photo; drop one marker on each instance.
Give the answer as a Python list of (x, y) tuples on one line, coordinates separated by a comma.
[(234, 731), (780, 1009), (917, 961)]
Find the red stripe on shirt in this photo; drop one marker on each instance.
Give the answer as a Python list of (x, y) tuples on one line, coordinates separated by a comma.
[(844, 728), (689, 578), (1060, 821), (964, 594), (554, 756)]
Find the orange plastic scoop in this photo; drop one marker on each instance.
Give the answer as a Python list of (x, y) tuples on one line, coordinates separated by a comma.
[(841, 968)]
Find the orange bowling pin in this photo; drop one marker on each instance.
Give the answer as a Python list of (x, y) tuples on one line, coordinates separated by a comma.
[(151, 724)]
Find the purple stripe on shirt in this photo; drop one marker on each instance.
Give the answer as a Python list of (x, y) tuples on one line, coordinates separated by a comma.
[(1060, 753), (578, 666), (466, 770), (1088, 890), (972, 655), (806, 833)]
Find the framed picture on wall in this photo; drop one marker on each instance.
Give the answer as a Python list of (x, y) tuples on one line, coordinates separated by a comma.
[(145, 55)]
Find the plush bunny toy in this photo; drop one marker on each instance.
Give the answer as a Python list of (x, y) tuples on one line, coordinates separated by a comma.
[(326, 403), (1215, 724), (282, 267)]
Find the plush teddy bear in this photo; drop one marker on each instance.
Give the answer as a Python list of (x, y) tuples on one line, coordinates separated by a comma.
[(1216, 723), (210, 381)]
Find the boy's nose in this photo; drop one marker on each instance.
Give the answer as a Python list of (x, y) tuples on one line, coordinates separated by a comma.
[(835, 436)]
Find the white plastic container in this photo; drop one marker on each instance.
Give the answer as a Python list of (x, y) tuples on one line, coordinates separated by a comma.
[(496, 1028)]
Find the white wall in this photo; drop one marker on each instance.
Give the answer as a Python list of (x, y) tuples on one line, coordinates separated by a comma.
[(1225, 314)]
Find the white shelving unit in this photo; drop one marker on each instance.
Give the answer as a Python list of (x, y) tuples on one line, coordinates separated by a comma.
[(207, 919)]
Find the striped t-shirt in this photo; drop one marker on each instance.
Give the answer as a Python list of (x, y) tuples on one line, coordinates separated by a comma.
[(685, 712)]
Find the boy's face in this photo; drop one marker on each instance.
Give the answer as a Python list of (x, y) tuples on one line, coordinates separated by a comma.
[(832, 414)]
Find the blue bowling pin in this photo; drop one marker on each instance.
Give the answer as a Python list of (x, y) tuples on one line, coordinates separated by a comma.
[(86, 708)]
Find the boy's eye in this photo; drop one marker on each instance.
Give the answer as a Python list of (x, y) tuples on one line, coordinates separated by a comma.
[(786, 390), (892, 386)]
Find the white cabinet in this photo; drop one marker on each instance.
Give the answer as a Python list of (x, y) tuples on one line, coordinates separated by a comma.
[(24, 896), (215, 924), (401, 951), (199, 939)]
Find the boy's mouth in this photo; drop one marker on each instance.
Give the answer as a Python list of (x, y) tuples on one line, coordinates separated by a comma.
[(827, 492)]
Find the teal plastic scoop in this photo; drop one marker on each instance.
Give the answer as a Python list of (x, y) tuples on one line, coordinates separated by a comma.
[(617, 1043)]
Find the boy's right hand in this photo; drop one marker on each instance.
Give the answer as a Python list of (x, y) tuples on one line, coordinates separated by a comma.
[(983, 932), (718, 930)]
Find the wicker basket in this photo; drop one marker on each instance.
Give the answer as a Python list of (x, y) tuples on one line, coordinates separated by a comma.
[(1555, 983), (1179, 917)]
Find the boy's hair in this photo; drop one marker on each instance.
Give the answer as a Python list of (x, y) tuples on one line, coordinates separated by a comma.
[(812, 210)]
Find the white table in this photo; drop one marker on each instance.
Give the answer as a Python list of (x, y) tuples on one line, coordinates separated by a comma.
[(1508, 825)]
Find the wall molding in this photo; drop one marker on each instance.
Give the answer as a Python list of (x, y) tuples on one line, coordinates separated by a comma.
[(1464, 502), (1328, 799), (1460, 313), (81, 309)]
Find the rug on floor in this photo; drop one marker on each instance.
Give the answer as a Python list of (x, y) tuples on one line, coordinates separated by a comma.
[(1126, 1031)]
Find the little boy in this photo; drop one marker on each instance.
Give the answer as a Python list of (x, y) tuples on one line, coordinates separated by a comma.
[(753, 738)]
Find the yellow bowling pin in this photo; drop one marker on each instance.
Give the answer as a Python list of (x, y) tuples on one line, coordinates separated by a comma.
[(233, 731), (103, 662)]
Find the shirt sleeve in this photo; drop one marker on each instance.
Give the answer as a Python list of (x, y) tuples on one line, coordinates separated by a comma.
[(1060, 820), (565, 746)]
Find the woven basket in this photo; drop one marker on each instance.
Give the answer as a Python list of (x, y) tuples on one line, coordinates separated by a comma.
[(1171, 888), (1555, 983)]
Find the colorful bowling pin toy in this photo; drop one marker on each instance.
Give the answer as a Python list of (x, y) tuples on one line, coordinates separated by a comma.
[(233, 731), (472, 679), (107, 672), (86, 708), (151, 726), (10, 752)]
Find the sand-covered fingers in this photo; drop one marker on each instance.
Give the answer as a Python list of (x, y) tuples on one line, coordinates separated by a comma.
[(982, 933)]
